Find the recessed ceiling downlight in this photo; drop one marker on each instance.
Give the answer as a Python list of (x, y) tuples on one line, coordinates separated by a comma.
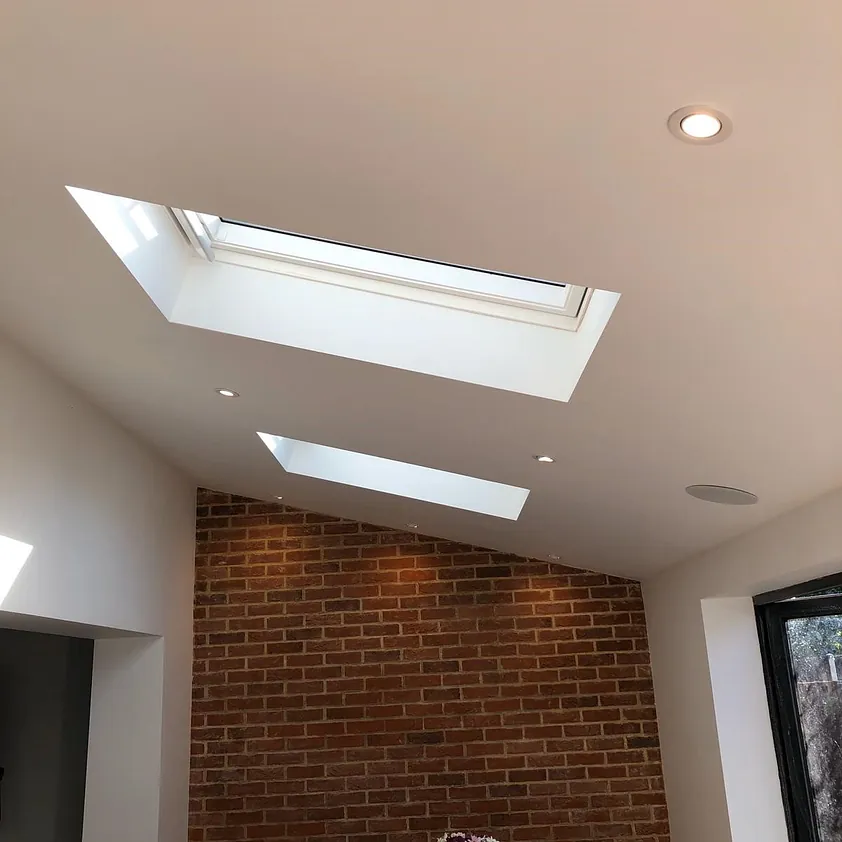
[(547, 460), (723, 494), (227, 393), (699, 124)]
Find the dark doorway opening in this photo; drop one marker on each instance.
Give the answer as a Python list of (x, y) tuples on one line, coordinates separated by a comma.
[(45, 701)]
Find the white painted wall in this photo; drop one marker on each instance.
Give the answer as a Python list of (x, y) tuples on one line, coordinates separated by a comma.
[(719, 762), (111, 527)]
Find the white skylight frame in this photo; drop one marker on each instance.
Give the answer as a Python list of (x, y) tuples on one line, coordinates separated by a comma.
[(401, 479), (535, 301)]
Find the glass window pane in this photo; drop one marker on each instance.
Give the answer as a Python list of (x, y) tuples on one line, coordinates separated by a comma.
[(816, 650)]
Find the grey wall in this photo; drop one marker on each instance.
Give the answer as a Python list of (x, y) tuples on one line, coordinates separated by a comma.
[(45, 691)]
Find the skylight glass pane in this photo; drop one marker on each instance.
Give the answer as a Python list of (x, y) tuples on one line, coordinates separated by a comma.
[(400, 478), (397, 268)]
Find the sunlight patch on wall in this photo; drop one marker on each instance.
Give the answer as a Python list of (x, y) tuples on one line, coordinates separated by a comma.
[(13, 556)]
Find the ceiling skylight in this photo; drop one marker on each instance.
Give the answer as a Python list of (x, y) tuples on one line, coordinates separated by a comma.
[(478, 290), (399, 478), (497, 331)]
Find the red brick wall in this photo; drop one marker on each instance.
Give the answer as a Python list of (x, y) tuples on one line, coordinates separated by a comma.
[(358, 683)]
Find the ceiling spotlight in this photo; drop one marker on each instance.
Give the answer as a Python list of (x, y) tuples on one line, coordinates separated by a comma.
[(546, 459), (699, 124), (279, 497), (553, 557), (227, 393), (412, 526), (723, 494)]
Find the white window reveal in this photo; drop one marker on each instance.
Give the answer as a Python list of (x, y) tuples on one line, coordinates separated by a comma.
[(403, 479)]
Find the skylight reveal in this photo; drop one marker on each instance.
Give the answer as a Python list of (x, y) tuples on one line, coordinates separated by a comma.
[(400, 478)]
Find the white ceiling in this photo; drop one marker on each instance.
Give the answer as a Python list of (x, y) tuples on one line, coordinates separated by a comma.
[(527, 137)]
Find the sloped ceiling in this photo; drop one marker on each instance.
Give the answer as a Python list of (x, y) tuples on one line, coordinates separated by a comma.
[(523, 137)]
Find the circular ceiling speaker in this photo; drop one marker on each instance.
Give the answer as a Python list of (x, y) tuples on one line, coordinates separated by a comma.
[(723, 494)]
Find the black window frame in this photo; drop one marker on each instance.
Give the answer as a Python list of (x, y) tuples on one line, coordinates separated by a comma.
[(773, 610)]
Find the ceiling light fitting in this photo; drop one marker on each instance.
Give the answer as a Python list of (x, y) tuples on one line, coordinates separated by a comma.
[(553, 557), (547, 460), (699, 124), (227, 393), (412, 526), (279, 497), (723, 494)]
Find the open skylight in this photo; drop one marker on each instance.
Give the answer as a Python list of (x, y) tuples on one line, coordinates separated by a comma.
[(546, 302), (522, 335), (399, 478)]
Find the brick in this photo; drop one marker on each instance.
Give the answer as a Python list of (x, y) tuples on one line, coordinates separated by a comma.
[(353, 682)]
